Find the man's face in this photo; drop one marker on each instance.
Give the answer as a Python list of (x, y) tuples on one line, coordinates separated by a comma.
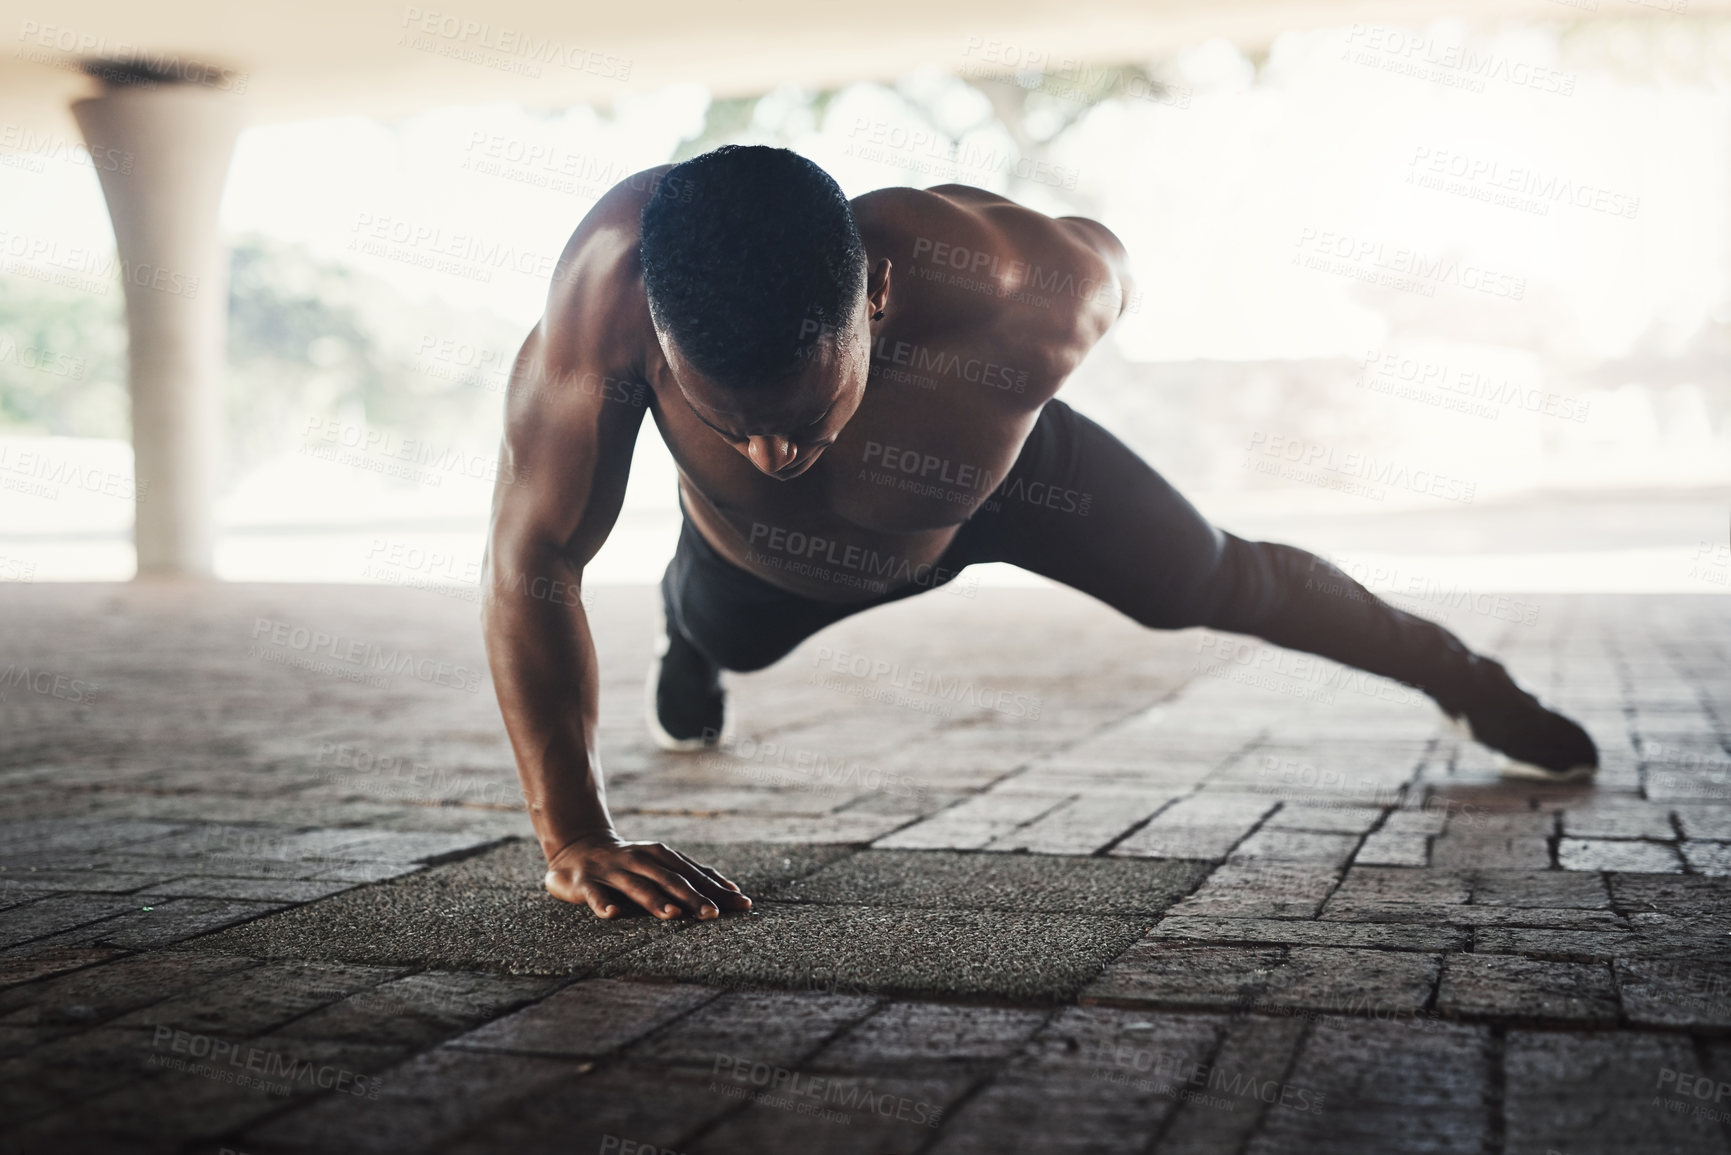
[(782, 427)]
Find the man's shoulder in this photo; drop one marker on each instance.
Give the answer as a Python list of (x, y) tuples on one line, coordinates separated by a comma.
[(597, 283), (906, 213), (615, 221)]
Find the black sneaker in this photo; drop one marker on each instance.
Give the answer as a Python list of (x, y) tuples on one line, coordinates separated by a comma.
[(685, 706), (1536, 742)]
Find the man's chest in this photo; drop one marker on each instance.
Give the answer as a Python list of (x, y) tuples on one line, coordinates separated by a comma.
[(918, 456)]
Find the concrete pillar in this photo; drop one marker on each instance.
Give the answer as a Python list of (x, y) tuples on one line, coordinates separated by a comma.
[(179, 138)]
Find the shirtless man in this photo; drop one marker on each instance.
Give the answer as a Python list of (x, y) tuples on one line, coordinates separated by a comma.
[(796, 350)]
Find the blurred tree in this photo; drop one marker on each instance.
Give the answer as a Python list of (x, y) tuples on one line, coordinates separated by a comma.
[(62, 361), (306, 337)]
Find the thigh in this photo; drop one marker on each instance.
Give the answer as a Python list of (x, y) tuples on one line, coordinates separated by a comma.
[(1081, 508), (736, 620)]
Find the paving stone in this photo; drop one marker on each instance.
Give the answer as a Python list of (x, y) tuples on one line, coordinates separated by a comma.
[(416, 921), (1260, 889), (974, 823), (1619, 820), (64, 1072), (850, 1116), (1473, 915), (1250, 1067), (1034, 957), (188, 866), (904, 1035), (1419, 822), (1335, 980), (1669, 938), (1689, 896), (587, 1019), (851, 827), (35, 879), (774, 1027), (1202, 826), (1389, 849), (1646, 857), (60, 912), (1160, 973), (1085, 824), (1498, 842), (416, 1107), (1296, 846), (419, 1010), (1076, 1089), (1037, 884), (96, 994), (1712, 823), (1365, 883), (1301, 932), (282, 890), (1508, 986), (15, 969), (656, 1108), (258, 999), (363, 871), (1712, 858), (99, 798), (165, 921), (72, 835), (191, 1104), (1547, 888), (1673, 993), (1597, 1092), (1385, 1087), (1329, 819), (1209, 843)]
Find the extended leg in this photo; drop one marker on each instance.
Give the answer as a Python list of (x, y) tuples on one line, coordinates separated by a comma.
[(1081, 508), (1297, 600)]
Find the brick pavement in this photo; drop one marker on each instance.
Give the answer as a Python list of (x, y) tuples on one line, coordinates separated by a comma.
[(1029, 879)]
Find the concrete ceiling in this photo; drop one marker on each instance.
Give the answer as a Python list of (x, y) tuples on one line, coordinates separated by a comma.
[(291, 59)]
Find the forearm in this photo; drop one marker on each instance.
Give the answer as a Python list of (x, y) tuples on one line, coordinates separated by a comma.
[(545, 673)]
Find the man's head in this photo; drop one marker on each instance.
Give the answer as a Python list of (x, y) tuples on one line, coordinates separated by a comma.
[(758, 288)]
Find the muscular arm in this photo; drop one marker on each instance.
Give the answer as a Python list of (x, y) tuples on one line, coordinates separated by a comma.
[(572, 417), (561, 481)]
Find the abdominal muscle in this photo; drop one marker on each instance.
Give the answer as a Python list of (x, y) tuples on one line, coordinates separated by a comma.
[(825, 558)]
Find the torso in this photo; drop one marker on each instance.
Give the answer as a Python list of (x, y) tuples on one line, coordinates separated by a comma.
[(959, 374)]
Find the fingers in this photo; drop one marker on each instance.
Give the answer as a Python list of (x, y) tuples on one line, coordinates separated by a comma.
[(710, 872), (714, 875), (714, 887), (657, 878), (645, 893), (723, 892), (602, 901), (682, 890), (561, 884)]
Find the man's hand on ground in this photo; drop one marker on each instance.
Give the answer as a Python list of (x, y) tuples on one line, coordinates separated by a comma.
[(611, 875)]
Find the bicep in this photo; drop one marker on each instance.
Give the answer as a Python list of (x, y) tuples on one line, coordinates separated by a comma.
[(571, 425)]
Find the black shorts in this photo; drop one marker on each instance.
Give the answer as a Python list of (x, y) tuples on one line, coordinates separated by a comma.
[(1078, 507)]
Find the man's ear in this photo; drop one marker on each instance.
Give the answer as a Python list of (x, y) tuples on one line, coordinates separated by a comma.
[(878, 287)]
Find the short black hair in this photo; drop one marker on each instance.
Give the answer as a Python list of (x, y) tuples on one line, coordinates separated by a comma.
[(750, 255)]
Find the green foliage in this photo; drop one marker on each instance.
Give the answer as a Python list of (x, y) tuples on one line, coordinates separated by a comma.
[(306, 337), (62, 360)]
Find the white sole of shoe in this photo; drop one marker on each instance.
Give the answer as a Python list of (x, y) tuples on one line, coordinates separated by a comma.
[(1524, 771), (662, 739)]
